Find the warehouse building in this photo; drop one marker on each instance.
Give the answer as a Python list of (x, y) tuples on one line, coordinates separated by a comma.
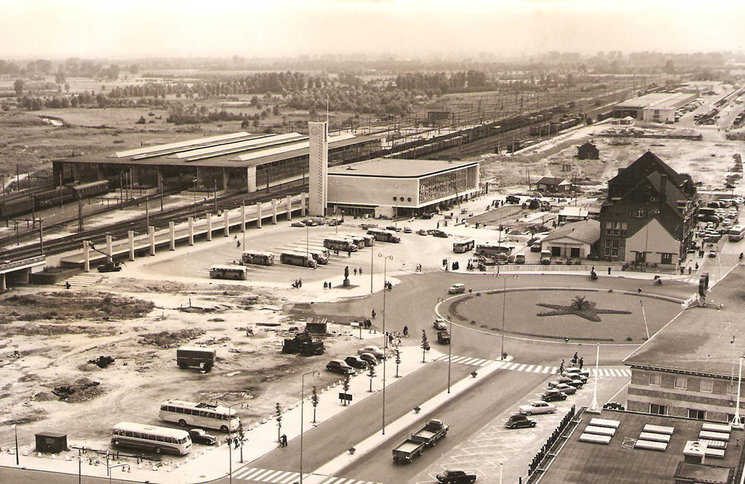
[(657, 107), (386, 187), (237, 161)]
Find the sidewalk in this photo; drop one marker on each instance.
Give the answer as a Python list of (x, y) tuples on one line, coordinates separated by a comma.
[(202, 463)]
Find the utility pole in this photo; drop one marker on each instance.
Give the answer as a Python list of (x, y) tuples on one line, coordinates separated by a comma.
[(41, 238)]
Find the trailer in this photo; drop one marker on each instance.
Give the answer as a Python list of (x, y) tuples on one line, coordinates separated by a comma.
[(433, 431), (407, 451)]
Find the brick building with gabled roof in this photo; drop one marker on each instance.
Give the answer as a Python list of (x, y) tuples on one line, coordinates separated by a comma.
[(649, 215)]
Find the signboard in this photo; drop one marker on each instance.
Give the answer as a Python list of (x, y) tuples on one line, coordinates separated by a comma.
[(345, 396)]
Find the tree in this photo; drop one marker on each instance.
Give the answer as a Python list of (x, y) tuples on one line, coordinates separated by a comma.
[(371, 373), (425, 344), (18, 86), (345, 386), (314, 401), (278, 416)]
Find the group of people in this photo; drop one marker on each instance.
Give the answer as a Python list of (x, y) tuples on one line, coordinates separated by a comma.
[(575, 361), (297, 283)]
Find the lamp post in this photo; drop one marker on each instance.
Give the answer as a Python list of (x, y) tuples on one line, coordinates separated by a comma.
[(230, 441), (736, 422), (15, 433), (594, 407), (109, 467), (302, 421), (385, 336), (504, 309), (450, 345)]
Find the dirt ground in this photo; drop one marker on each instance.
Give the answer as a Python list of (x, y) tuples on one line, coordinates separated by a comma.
[(50, 341)]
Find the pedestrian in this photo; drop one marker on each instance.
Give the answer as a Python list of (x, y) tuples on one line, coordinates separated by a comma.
[(593, 269), (561, 366), (581, 362), (67, 285), (639, 291), (373, 314), (236, 442), (283, 440), (355, 271), (406, 331), (608, 270), (438, 225), (390, 338), (689, 270), (300, 282), (696, 266), (325, 286), (238, 244), (360, 270)]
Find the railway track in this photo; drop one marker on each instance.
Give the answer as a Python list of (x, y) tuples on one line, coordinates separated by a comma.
[(159, 220)]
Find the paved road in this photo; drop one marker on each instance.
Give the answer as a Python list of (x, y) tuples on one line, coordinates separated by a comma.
[(20, 476)]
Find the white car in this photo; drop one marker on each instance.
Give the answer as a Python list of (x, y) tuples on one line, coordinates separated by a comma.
[(537, 407), (457, 288), (373, 350)]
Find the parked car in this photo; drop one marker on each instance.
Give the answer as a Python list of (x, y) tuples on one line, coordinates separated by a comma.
[(199, 436), (713, 253), (297, 224), (373, 350), (580, 371), (338, 366), (512, 199), (440, 324), (368, 226), (369, 358), (455, 477), (421, 232), (519, 421), (439, 233), (407, 230), (553, 395), (457, 288), (565, 380), (568, 389), (356, 362), (574, 376), (537, 407), (520, 259)]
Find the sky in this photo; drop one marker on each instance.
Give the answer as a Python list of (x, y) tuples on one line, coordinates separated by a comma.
[(57, 29)]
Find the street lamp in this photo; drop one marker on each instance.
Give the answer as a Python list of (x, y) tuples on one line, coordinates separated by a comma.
[(450, 345), (302, 421), (385, 336), (594, 407), (230, 441), (15, 433)]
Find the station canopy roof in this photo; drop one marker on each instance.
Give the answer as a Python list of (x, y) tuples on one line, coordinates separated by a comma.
[(398, 168)]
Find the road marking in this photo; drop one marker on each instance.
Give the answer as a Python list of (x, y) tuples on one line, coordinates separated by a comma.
[(286, 477), (546, 369), (530, 368)]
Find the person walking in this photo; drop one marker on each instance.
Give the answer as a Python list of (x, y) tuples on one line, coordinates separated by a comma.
[(360, 270), (283, 440), (561, 366), (355, 271), (608, 270), (406, 331), (581, 362), (373, 314)]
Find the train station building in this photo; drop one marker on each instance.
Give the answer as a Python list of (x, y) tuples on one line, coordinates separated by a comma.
[(237, 161), (383, 187), (657, 107)]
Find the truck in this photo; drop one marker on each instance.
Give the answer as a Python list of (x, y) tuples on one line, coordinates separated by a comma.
[(443, 337), (303, 344), (426, 437), (192, 356)]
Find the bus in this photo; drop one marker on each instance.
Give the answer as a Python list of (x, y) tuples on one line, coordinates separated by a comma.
[(736, 233), (491, 250), (318, 256), (258, 258), (316, 248), (384, 235), (462, 246), (340, 243), (297, 259), (361, 240), (151, 438), (202, 415), (228, 272)]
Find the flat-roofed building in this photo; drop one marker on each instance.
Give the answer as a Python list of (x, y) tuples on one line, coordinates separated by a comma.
[(385, 187), (631, 448), (236, 161), (657, 107), (690, 367)]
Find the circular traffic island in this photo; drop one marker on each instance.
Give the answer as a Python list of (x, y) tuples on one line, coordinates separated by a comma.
[(559, 313)]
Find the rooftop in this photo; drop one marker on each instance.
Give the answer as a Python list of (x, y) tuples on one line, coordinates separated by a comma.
[(701, 340), (587, 231), (234, 150), (590, 462), (398, 168), (552, 180), (658, 100)]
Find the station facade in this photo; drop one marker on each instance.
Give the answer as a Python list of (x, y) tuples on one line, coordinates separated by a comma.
[(383, 187)]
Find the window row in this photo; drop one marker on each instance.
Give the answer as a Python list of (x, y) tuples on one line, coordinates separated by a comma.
[(194, 412)]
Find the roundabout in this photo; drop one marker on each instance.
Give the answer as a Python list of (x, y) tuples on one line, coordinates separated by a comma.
[(591, 315)]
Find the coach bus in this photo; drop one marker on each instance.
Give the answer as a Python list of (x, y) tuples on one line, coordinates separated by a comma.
[(258, 258), (340, 243), (462, 246), (151, 438), (384, 235), (203, 415), (228, 272), (492, 250), (736, 233), (361, 240), (298, 259), (317, 255)]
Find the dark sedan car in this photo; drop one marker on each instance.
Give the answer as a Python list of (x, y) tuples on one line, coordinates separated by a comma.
[(553, 396), (199, 436), (369, 358), (356, 362), (519, 421), (456, 477)]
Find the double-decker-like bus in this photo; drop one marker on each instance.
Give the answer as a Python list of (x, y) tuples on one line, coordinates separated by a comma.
[(151, 438), (228, 272), (258, 258), (736, 233), (340, 243), (462, 246), (204, 415), (384, 235), (298, 259)]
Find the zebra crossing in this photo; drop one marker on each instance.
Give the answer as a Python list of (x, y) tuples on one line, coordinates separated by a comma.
[(528, 368), (254, 474)]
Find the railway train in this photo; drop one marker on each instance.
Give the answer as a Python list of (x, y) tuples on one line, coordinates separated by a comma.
[(24, 201)]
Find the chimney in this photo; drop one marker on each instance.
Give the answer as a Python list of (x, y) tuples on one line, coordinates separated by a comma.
[(663, 187)]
